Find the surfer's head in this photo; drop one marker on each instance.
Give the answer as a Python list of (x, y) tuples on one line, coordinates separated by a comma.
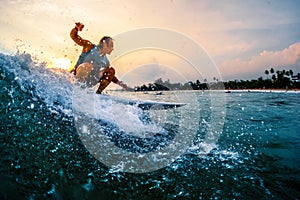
[(106, 44)]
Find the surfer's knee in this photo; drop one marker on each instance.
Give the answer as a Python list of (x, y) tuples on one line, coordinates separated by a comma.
[(111, 71), (83, 71), (109, 74)]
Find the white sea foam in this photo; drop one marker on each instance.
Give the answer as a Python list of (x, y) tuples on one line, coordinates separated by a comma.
[(52, 86)]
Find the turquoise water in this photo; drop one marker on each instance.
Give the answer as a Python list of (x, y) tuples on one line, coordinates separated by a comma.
[(43, 157)]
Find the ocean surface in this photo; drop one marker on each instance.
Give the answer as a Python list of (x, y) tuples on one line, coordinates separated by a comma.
[(245, 145)]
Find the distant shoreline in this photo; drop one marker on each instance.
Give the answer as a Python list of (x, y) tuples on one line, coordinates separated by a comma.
[(223, 90), (264, 90)]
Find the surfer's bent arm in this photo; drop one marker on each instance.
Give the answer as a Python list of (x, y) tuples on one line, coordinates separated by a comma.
[(87, 45)]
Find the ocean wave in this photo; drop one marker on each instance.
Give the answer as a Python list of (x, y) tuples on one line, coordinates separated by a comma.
[(51, 86), (56, 91)]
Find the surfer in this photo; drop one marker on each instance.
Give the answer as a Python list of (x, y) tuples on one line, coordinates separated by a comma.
[(93, 66)]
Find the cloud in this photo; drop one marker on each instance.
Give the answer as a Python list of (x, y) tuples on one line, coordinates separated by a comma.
[(287, 58)]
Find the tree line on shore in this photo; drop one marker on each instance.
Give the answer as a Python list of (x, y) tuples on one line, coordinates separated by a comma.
[(284, 79)]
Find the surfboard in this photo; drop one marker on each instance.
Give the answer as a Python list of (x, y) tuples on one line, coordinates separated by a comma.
[(143, 104)]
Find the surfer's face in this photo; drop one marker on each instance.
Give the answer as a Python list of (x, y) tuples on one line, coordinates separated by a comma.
[(108, 47)]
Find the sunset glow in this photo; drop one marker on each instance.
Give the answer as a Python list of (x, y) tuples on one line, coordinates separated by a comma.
[(242, 42), (62, 63)]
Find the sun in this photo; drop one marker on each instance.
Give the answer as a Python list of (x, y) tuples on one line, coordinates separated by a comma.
[(62, 63)]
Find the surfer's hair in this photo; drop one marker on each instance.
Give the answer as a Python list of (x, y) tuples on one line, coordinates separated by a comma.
[(105, 39)]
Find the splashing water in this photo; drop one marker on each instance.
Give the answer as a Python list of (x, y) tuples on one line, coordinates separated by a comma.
[(43, 157)]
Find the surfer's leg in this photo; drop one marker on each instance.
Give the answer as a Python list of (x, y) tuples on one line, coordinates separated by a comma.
[(83, 71), (79, 61), (106, 79)]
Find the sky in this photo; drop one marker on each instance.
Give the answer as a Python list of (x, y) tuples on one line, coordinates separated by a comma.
[(184, 39)]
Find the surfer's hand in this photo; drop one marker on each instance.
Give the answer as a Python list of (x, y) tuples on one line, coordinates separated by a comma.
[(79, 26), (123, 85)]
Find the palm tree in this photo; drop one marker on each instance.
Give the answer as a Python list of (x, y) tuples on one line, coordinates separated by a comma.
[(283, 72), (277, 72), (291, 72), (273, 78), (267, 73), (287, 73)]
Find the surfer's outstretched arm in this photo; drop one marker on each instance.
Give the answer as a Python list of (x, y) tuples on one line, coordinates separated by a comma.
[(123, 85), (108, 77)]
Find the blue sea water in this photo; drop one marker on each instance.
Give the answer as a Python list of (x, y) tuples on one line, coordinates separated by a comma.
[(43, 157)]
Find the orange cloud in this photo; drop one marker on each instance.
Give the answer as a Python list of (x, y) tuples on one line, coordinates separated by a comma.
[(288, 57)]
